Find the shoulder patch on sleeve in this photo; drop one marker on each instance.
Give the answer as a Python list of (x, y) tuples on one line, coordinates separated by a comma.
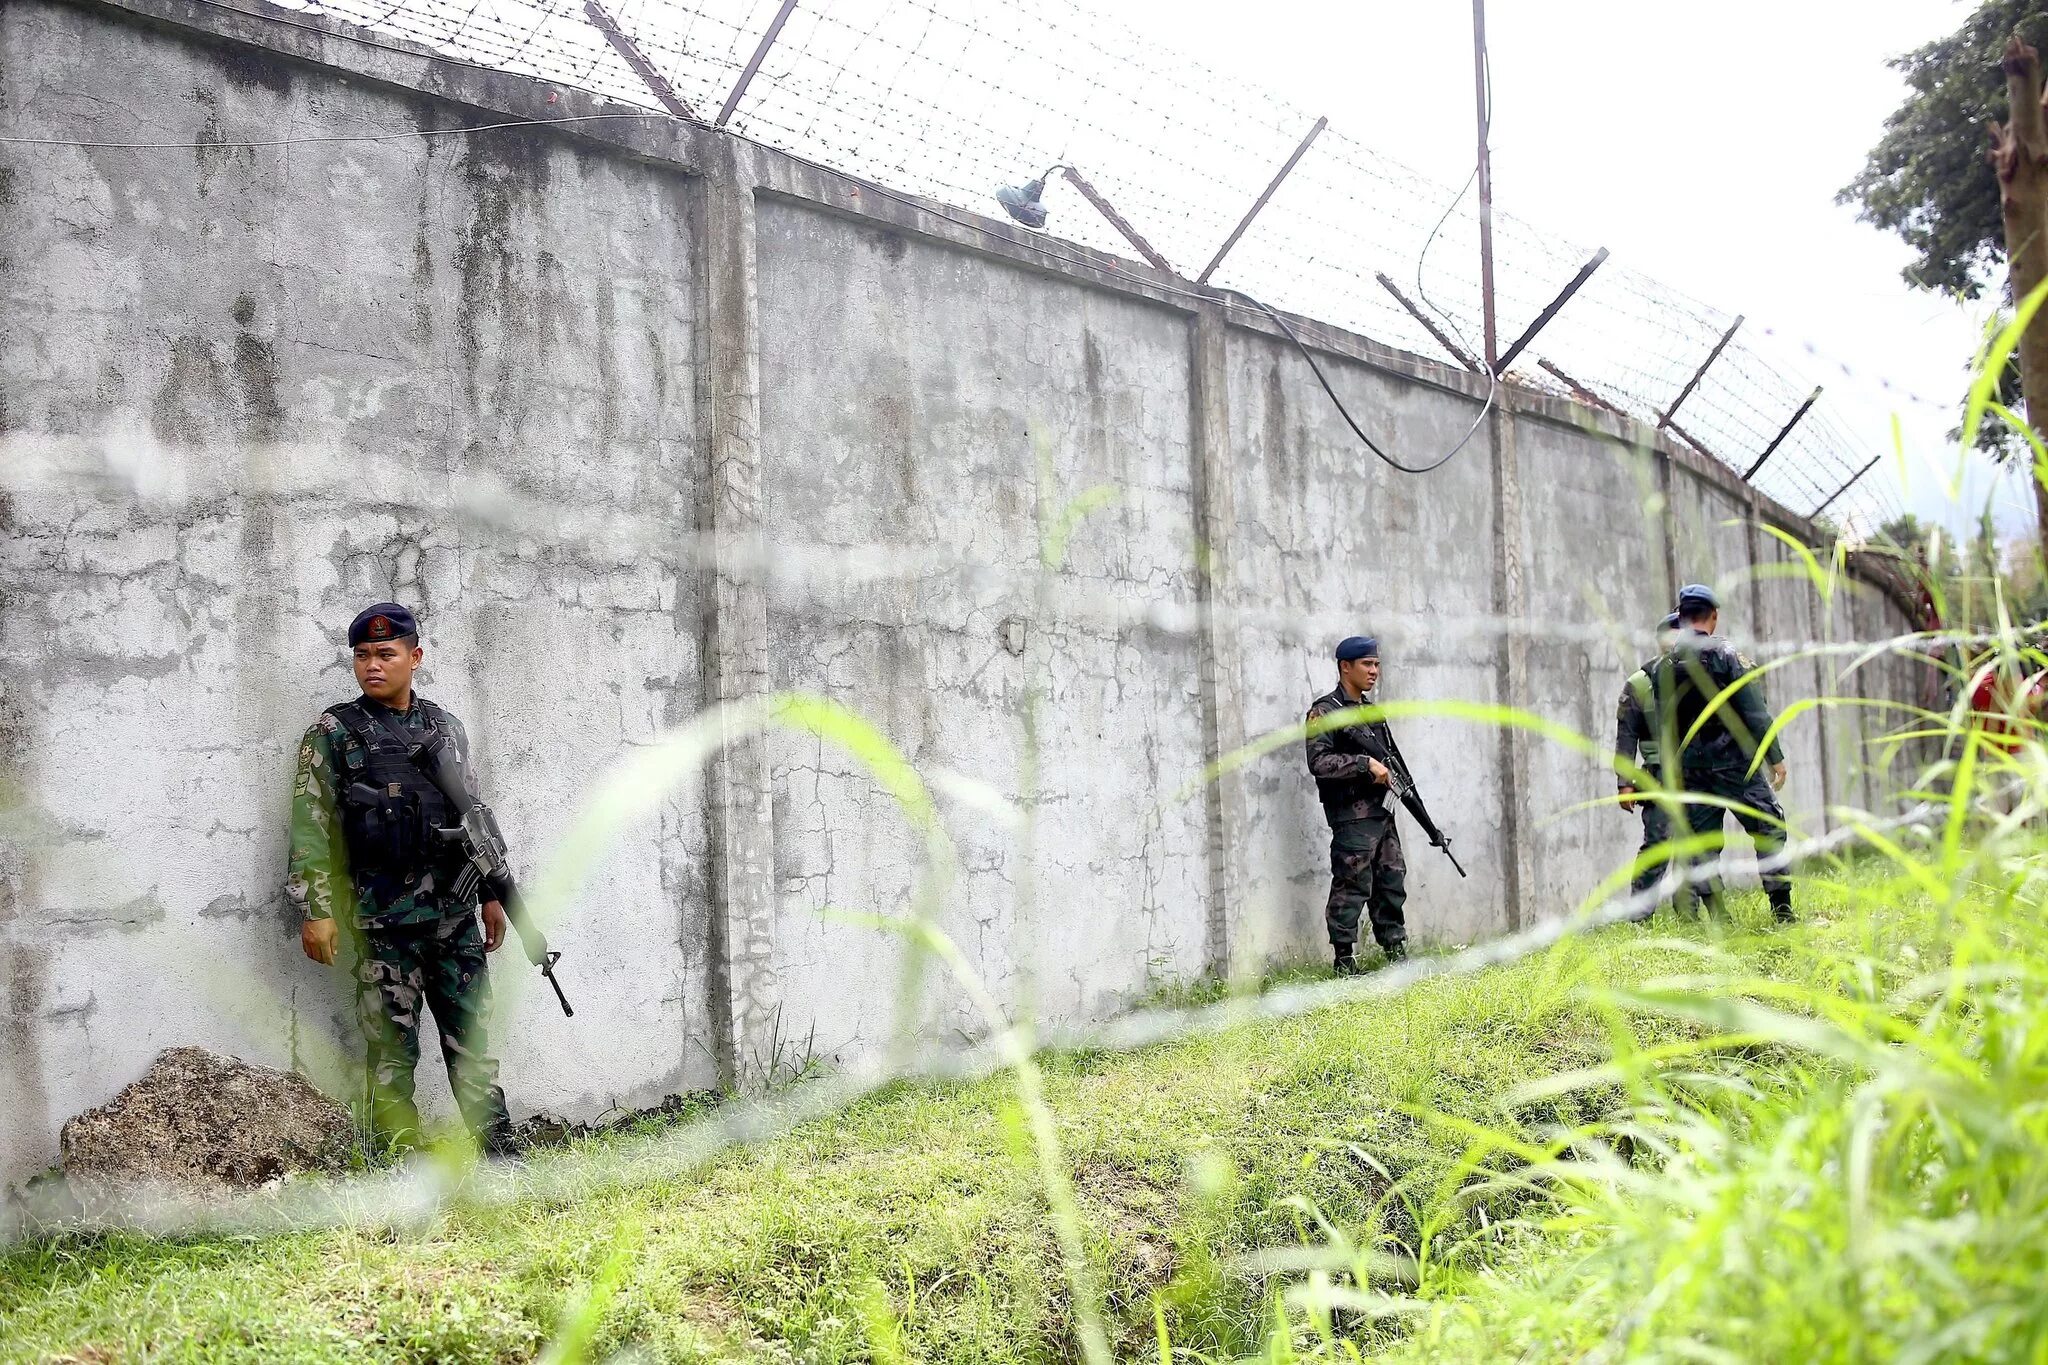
[(327, 722)]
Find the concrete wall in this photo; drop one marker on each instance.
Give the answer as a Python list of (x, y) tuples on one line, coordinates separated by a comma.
[(226, 424), (641, 418), (1331, 542), (1608, 590), (908, 392)]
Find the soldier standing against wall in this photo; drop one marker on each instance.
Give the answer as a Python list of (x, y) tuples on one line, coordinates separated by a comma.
[(1349, 765), (1635, 741), (365, 844), (1721, 759)]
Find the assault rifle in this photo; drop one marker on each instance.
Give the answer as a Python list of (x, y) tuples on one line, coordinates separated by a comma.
[(489, 864), (1402, 784)]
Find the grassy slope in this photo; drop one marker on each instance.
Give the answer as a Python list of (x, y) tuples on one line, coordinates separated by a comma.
[(920, 1206)]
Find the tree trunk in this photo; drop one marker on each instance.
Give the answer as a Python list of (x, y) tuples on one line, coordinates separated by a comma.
[(2019, 151)]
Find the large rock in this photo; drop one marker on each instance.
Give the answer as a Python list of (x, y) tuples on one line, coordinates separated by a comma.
[(200, 1123)]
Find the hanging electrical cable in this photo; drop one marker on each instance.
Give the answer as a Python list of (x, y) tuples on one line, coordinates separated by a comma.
[(1492, 379), (1492, 388)]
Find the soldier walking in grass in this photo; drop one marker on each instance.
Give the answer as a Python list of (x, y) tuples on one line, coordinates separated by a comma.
[(1349, 762), (1720, 758), (366, 849), (1635, 741)]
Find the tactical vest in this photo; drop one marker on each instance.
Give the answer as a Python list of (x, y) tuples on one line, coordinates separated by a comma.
[(390, 828), (1342, 797), (1346, 794), (1684, 684), (1651, 745)]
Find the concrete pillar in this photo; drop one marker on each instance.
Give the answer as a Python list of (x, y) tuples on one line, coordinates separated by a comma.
[(1512, 655), (1762, 551), (742, 985), (1824, 717), (1668, 523), (1222, 673), (1866, 624), (1753, 546)]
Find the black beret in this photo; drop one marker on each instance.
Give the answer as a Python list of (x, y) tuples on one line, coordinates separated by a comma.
[(381, 621), (1357, 647)]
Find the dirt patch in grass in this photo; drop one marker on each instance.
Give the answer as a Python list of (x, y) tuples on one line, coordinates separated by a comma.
[(1136, 1214), (721, 1325)]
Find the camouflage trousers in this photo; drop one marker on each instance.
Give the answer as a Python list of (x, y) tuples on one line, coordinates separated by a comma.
[(436, 966), (1757, 811), (1367, 873), (1656, 830)]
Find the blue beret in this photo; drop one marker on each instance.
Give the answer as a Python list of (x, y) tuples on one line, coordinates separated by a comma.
[(1700, 593), (381, 621), (1358, 647), (1669, 623)]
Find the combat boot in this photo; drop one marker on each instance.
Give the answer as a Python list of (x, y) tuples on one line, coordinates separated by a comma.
[(1396, 952), (1346, 963), (1781, 908), (501, 1139)]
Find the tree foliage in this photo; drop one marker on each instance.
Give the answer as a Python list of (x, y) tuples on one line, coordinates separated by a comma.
[(1929, 178), (1969, 579), (1922, 543)]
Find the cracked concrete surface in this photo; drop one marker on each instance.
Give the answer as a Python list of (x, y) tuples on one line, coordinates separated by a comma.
[(421, 313), (585, 402), (905, 386)]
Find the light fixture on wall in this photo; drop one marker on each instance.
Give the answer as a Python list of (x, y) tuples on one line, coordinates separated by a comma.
[(1026, 202)]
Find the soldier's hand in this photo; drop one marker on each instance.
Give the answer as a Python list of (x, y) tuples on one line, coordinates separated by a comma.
[(319, 938), (1778, 777), (494, 926), (1378, 770), (1628, 798)]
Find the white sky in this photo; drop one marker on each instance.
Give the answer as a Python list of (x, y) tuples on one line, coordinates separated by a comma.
[(1702, 144)]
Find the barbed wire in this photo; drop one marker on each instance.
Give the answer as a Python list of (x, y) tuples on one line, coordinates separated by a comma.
[(948, 101)]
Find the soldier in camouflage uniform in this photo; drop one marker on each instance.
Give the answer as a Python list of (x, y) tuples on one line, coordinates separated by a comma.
[(364, 847), (1635, 741), (1348, 762), (1721, 759)]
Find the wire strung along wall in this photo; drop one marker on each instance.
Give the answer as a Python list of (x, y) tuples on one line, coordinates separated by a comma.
[(953, 98)]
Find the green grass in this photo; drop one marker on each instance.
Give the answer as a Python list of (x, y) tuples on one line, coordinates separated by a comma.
[(1724, 1142), (1698, 1197)]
